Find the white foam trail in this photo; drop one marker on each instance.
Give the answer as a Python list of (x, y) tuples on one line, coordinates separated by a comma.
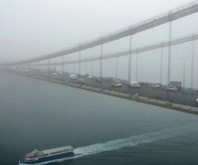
[(134, 140)]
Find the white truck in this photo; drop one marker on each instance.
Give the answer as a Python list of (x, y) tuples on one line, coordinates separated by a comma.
[(134, 84), (73, 76)]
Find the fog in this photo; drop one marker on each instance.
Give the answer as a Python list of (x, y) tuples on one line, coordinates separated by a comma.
[(34, 28)]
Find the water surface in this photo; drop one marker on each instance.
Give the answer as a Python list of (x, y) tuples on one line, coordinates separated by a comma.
[(101, 128)]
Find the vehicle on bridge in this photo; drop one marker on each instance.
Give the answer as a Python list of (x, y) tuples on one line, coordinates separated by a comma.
[(54, 73), (98, 79), (81, 80), (73, 76), (175, 86), (156, 85), (172, 88), (89, 77), (116, 83), (134, 84)]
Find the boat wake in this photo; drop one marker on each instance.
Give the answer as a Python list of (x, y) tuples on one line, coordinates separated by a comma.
[(134, 140)]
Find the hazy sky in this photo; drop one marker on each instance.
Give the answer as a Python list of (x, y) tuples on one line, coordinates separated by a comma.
[(31, 28)]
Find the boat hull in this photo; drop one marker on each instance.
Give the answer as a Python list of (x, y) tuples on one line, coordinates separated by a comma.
[(48, 159)]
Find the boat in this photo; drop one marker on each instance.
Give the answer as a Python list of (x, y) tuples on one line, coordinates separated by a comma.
[(37, 157)]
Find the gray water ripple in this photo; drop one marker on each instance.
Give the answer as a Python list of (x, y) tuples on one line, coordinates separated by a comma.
[(135, 140)]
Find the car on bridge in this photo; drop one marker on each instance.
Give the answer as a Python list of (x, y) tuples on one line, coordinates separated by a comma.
[(156, 85), (81, 80), (89, 77), (134, 84), (73, 76), (172, 88), (175, 86), (98, 79), (115, 83)]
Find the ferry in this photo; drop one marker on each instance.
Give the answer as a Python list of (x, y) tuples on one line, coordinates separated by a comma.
[(37, 157)]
